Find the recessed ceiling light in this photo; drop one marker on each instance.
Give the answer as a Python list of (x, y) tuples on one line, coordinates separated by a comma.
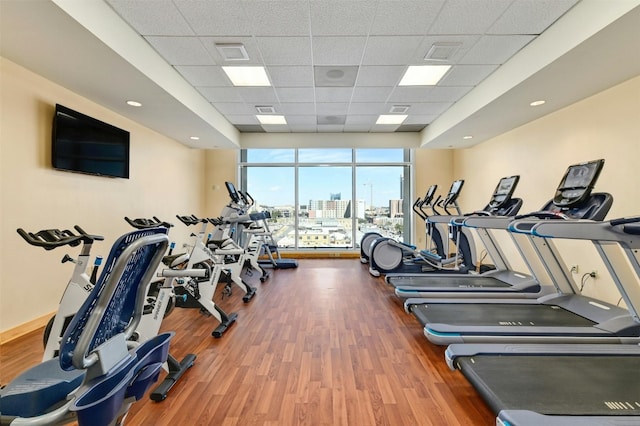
[(467, 137), (391, 118), (247, 76), (423, 75), (194, 138), (271, 119), (134, 103), (537, 103)]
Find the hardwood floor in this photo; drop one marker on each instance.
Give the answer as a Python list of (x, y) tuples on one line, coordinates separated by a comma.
[(323, 344)]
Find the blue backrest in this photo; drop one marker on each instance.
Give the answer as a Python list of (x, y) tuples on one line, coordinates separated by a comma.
[(111, 308)]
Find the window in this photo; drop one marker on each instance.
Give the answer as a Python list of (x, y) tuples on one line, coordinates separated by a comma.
[(328, 198)]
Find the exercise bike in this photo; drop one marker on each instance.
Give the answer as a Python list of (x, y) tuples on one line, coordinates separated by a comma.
[(185, 283), (223, 259), (81, 285)]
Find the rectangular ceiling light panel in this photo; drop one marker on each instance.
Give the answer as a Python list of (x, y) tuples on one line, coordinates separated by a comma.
[(247, 76), (271, 119), (391, 119), (423, 75)]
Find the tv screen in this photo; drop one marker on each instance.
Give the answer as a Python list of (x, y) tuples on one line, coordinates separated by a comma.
[(86, 145)]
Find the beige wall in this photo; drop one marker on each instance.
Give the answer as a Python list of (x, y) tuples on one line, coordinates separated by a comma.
[(166, 179), (221, 166), (603, 126)]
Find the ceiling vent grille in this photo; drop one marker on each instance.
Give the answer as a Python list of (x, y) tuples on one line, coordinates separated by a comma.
[(265, 109), (399, 109), (442, 52), (232, 51)]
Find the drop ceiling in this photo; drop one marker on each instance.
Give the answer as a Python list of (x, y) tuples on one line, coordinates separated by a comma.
[(333, 66)]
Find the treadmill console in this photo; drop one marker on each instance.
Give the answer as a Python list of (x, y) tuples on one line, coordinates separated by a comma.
[(503, 192), (577, 183)]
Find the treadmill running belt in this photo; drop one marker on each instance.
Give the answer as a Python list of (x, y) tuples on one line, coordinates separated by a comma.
[(452, 281), (605, 385), (497, 314)]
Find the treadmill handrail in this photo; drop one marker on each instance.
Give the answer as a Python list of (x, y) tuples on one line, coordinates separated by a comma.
[(582, 229), (488, 222)]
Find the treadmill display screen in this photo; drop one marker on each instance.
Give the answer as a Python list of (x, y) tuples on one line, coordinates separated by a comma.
[(577, 183), (504, 190)]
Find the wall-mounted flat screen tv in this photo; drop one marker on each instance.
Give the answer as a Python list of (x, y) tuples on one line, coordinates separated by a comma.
[(86, 145)]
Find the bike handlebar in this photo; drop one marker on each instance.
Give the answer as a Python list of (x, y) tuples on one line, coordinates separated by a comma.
[(50, 239), (144, 223)]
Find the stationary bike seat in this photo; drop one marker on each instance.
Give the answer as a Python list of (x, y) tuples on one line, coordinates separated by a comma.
[(175, 260)]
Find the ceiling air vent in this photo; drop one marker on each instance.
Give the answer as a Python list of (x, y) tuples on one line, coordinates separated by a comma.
[(232, 51), (399, 109), (265, 109), (442, 51)]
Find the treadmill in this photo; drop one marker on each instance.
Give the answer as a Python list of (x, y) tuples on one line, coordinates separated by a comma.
[(503, 282), (565, 317), (565, 384), (501, 204)]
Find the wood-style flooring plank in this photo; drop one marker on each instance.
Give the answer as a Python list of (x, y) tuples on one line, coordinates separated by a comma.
[(323, 344)]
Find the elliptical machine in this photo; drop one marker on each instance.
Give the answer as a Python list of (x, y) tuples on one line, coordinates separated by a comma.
[(388, 255)]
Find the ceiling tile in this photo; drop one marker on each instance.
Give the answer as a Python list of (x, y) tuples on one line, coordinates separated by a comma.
[(234, 108), (408, 18), (181, 50), (468, 16), (368, 120), (332, 108), (387, 50), (221, 94), (428, 108), (339, 17), (302, 120), (495, 49), (291, 76), (530, 16), (258, 95), (371, 94), (334, 94), (329, 128), (152, 17), (467, 75), (356, 128), (295, 94), (277, 17), (338, 50), (382, 75), (406, 94), (370, 108), (204, 75), (285, 50), (297, 108), (213, 17)]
